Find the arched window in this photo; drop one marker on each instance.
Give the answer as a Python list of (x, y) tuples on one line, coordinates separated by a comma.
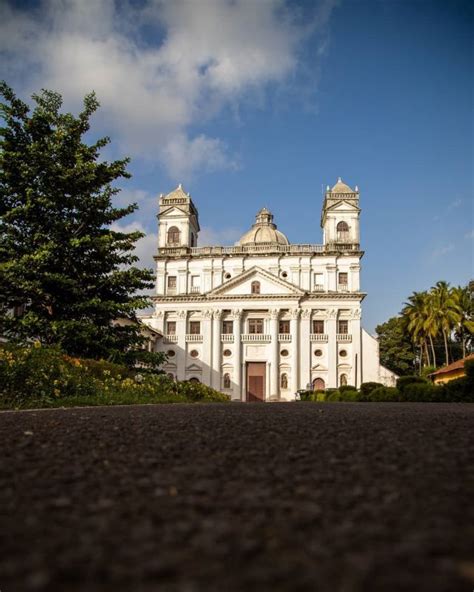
[(284, 381), (226, 380), (173, 236), (255, 288), (343, 380), (342, 229), (318, 384)]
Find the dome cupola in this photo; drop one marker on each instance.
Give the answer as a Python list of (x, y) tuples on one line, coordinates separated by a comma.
[(263, 231)]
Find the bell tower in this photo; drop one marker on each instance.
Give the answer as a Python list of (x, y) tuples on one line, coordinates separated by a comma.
[(340, 215), (178, 220)]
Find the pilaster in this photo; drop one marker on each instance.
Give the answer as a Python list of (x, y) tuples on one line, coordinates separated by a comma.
[(181, 349), (206, 346), (331, 328), (239, 391), (305, 349), (216, 349), (295, 349), (274, 367), (356, 348)]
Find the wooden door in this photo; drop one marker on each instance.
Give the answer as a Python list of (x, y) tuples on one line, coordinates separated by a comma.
[(256, 382)]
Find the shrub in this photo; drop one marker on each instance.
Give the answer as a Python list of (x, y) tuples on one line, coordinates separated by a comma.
[(367, 387), (347, 387), (306, 395), (333, 396), (459, 390), (403, 381), (350, 395), (422, 392), (469, 368), (319, 396), (384, 394)]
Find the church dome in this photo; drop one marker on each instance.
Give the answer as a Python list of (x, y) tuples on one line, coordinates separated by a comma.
[(263, 231), (341, 187)]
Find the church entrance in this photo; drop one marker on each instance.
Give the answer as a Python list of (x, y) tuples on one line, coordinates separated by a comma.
[(256, 374)]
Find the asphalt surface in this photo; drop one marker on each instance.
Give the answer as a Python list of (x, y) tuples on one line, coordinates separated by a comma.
[(281, 497)]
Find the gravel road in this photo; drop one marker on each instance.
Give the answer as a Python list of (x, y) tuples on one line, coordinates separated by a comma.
[(228, 498)]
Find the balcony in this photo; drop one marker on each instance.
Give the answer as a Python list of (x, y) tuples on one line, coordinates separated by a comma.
[(255, 338), (284, 337), (170, 338), (193, 338), (318, 288), (344, 337), (318, 337), (342, 288), (195, 289), (227, 337)]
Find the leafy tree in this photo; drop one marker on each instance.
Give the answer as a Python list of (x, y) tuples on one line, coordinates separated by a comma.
[(61, 264), (464, 329), (416, 315), (396, 349), (444, 312)]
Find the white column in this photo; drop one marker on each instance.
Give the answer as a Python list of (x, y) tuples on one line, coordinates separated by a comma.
[(331, 328), (181, 328), (305, 349), (356, 348), (216, 349), (239, 391), (274, 366), (331, 270), (206, 330), (295, 350)]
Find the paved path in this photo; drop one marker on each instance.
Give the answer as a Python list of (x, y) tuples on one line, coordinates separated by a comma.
[(226, 498)]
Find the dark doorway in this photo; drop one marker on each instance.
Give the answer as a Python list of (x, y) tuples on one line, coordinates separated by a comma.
[(256, 382)]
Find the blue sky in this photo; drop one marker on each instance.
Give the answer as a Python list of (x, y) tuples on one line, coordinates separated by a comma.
[(261, 103)]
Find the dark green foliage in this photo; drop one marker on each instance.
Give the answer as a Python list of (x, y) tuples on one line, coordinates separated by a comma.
[(349, 395), (305, 395), (403, 381), (459, 390), (60, 261), (469, 368), (347, 387), (423, 392), (384, 394), (333, 396), (367, 387), (396, 349)]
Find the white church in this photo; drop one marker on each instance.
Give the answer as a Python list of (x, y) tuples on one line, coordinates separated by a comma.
[(264, 318)]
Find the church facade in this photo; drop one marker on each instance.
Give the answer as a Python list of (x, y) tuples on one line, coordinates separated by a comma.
[(264, 318)]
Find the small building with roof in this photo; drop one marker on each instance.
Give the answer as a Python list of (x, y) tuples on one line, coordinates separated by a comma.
[(451, 371)]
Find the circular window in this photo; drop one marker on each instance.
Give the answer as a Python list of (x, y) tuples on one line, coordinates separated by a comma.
[(227, 276), (284, 274), (343, 353), (318, 353), (227, 353), (194, 353), (284, 353), (171, 353)]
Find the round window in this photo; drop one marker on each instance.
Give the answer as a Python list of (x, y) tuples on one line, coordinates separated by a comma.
[(284, 274), (171, 353), (227, 353), (227, 276), (284, 353), (343, 353), (194, 353), (318, 353)]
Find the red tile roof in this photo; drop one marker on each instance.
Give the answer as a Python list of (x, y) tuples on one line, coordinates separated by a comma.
[(458, 364)]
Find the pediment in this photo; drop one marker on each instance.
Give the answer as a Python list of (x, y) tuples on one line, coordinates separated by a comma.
[(319, 367), (194, 368), (172, 212), (270, 285), (342, 206)]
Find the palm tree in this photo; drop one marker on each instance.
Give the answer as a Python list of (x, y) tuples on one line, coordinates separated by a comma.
[(416, 314), (445, 312), (464, 329)]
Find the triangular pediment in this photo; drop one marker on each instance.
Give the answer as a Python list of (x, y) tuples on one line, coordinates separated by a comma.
[(270, 285), (172, 212), (342, 206), (194, 368), (319, 367)]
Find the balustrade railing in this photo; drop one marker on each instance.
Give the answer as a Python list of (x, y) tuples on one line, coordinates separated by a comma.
[(319, 337), (255, 338), (227, 337), (284, 337), (193, 338), (346, 337), (259, 248), (170, 339)]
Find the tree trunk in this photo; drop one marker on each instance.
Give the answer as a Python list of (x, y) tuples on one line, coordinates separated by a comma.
[(427, 352), (433, 351), (446, 346)]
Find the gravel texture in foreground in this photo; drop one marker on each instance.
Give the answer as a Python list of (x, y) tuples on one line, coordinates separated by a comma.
[(226, 498)]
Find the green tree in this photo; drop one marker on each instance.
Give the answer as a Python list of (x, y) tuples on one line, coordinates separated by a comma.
[(444, 312), (416, 315), (396, 349), (464, 329), (61, 264)]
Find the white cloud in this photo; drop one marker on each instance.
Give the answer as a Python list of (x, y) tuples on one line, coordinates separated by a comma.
[(469, 234), (157, 83), (145, 248), (441, 251)]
